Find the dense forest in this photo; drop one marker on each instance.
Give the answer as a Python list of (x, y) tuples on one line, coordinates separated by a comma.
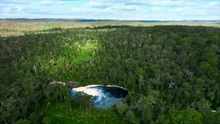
[(172, 74)]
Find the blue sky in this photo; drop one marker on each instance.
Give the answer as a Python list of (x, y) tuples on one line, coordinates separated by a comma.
[(112, 9)]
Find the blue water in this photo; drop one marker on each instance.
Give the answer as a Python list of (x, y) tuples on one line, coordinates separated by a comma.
[(105, 101), (102, 96)]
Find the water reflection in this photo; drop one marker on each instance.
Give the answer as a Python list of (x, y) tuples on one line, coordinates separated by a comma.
[(102, 96)]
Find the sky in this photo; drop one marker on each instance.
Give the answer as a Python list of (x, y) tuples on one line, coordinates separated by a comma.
[(112, 9)]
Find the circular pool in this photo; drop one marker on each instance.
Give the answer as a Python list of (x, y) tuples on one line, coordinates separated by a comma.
[(103, 96)]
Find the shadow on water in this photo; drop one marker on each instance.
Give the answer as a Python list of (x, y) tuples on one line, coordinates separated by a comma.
[(110, 96), (101, 96)]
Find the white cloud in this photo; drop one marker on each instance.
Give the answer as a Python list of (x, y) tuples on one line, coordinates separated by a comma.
[(114, 9)]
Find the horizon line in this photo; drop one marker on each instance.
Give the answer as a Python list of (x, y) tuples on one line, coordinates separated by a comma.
[(141, 20)]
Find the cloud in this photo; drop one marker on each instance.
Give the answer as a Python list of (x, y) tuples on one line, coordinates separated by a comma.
[(69, 0), (113, 9), (14, 2)]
